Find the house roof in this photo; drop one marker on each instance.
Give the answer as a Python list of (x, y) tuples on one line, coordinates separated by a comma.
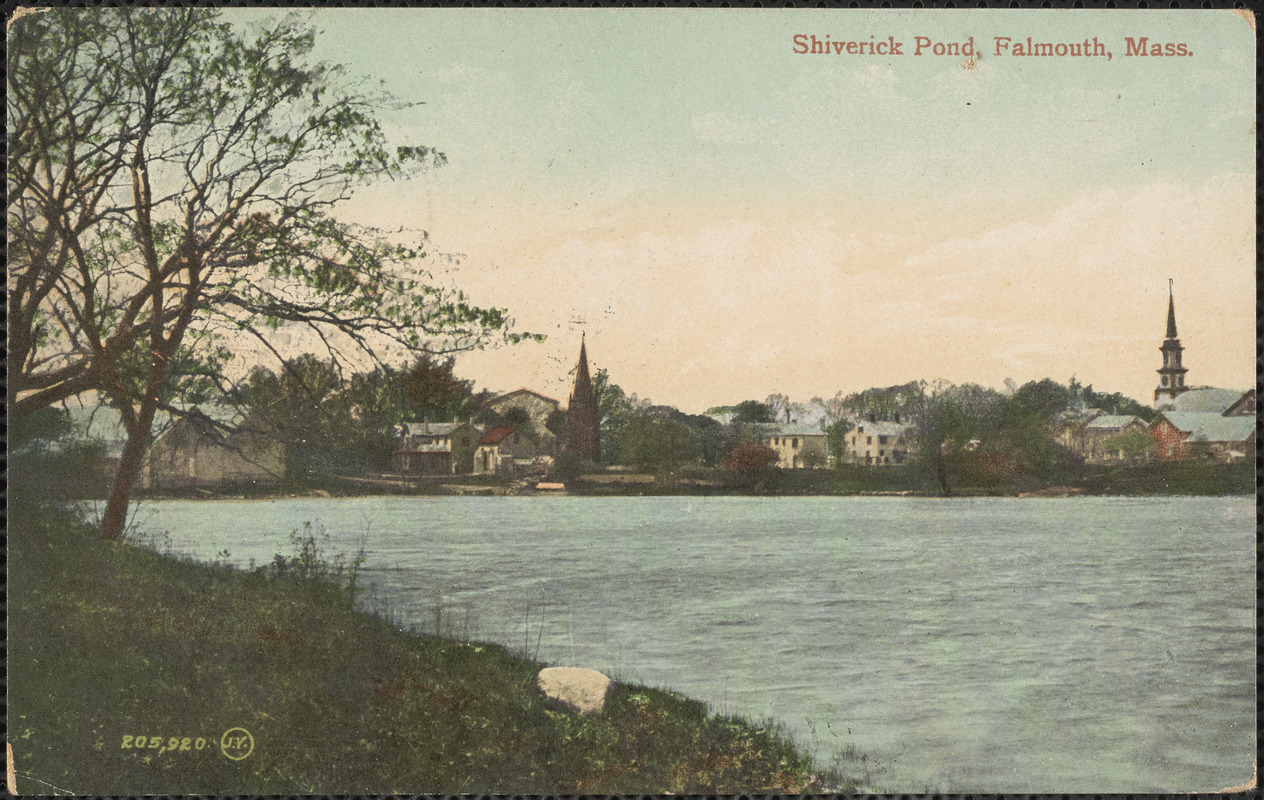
[(881, 428), (497, 434), (1077, 415), (1244, 405), (431, 428), (1113, 422), (1207, 398), (496, 401), (792, 429), (1207, 426)]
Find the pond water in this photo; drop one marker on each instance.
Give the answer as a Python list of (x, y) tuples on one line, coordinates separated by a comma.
[(969, 645)]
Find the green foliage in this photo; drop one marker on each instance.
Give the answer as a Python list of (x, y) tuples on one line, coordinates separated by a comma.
[(174, 180), (613, 405), (883, 404), (568, 466), (1117, 403), (836, 440), (520, 418), (48, 466), (752, 411), (309, 565), (813, 459), (146, 645), (435, 393), (556, 423), (655, 444), (1041, 399), (751, 465), (1132, 445)]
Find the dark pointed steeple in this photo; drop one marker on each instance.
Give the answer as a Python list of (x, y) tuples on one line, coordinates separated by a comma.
[(581, 413), (1171, 312), (1171, 374)]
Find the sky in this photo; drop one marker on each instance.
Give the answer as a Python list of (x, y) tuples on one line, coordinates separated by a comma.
[(726, 218)]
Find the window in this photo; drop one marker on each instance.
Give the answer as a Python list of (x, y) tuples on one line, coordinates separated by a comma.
[(882, 440), (794, 442), (1164, 380), (882, 453), (868, 440)]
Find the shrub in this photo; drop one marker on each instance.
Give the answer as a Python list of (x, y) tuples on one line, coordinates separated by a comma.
[(568, 466), (751, 463), (310, 566)]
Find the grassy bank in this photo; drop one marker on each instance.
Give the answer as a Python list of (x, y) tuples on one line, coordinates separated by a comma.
[(112, 642)]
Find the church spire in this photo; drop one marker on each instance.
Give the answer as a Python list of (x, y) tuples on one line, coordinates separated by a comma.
[(1171, 312), (581, 413), (1171, 374)]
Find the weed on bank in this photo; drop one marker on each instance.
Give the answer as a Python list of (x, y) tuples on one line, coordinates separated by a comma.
[(133, 672)]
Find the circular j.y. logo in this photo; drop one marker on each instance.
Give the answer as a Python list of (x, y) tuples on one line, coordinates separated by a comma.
[(236, 744)]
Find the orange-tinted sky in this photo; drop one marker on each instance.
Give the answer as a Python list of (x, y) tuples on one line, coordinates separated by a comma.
[(727, 219)]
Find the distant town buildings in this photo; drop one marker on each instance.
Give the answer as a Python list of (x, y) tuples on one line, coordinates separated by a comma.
[(879, 443), (206, 446), (1227, 435), (797, 445), (1098, 440), (436, 448), (522, 432), (504, 449)]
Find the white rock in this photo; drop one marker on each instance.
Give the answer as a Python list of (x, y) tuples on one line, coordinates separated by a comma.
[(582, 689)]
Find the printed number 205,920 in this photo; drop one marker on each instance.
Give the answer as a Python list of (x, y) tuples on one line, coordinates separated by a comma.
[(163, 744)]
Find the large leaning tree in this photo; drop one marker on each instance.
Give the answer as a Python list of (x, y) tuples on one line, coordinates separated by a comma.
[(172, 187)]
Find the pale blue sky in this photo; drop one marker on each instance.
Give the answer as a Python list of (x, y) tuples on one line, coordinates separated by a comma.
[(728, 219)]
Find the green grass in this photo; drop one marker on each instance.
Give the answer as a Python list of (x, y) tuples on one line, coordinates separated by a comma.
[(1173, 478), (108, 641)]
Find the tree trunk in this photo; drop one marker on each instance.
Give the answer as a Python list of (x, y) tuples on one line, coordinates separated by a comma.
[(941, 473), (129, 466)]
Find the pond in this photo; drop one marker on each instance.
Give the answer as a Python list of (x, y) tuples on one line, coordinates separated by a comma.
[(980, 645)]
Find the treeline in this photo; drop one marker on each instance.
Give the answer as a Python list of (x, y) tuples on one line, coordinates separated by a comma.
[(963, 435)]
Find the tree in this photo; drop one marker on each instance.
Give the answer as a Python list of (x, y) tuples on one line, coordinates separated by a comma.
[(1134, 445), (612, 405), (778, 406), (886, 403), (172, 186), (1118, 403), (555, 424), (656, 443), (435, 394), (750, 463), (520, 418), (952, 422), (306, 409), (836, 439), (1042, 398), (753, 411)]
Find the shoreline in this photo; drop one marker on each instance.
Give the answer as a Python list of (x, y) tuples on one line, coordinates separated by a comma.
[(336, 700), (1155, 479)]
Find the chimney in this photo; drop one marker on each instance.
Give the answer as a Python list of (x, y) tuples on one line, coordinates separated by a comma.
[(897, 418)]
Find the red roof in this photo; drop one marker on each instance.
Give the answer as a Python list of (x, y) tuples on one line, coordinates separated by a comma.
[(497, 434)]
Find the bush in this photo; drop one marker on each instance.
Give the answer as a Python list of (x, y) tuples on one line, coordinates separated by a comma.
[(568, 466), (311, 567), (751, 464)]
